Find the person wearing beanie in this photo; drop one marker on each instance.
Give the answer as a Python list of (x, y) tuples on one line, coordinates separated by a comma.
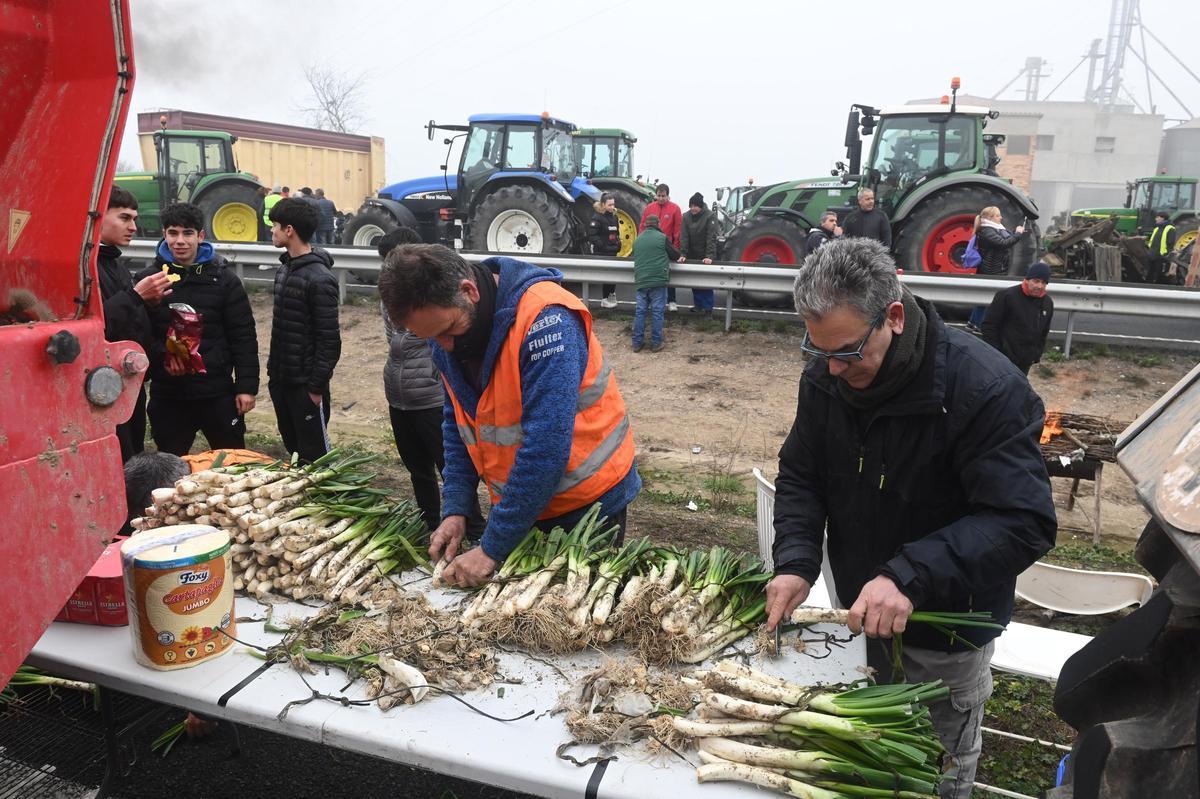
[(1018, 320), (604, 234), (652, 257), (698, 242)]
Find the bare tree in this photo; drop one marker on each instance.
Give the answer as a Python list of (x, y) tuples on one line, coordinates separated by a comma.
[(335, 99)]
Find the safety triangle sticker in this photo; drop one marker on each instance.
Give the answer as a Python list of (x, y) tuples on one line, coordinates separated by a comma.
[(16, 223)]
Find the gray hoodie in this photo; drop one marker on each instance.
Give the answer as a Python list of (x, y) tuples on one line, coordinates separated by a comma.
[(410, 380)]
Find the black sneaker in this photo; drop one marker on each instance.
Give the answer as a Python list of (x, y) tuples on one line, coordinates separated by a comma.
[(656, 347), (638, 347)]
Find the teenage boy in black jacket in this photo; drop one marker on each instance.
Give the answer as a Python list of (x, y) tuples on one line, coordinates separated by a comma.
[(126, 304), (184, 401), (915, 452), (1018, 320), (306, 338)]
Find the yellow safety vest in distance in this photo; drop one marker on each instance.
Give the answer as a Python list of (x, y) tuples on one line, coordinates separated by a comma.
[(1162, 240), (268, 204)]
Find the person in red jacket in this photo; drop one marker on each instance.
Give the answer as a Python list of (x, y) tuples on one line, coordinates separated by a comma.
[(670, 217)]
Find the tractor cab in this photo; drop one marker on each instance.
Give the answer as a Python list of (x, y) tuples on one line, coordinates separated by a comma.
[(914, 144), (605, 152), (1149, 196)]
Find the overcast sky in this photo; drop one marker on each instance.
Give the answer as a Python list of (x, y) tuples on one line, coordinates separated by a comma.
[(715, 92)]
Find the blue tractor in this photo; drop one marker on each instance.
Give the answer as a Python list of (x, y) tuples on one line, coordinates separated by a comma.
[(518, 188)]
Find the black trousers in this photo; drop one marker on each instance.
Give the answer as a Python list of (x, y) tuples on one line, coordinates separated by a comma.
[(131, 434), (175, 422), (569, 520), (303, 427), (1159, 266), (418, 436)]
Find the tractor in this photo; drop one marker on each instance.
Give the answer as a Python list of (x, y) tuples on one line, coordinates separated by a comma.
[(197, 166), (1129, 229), (932, 169), (605, 157), (518, 189)]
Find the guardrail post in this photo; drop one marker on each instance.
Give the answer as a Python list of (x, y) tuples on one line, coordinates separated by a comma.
[(587, 292), (728, 310), (1070, 332), (241, 271), (341, 276)]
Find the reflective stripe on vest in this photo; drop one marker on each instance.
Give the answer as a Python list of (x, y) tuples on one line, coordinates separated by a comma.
[(602, 450), (1162, 240)]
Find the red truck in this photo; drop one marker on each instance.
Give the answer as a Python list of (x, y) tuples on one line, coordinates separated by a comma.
[(66, 72)]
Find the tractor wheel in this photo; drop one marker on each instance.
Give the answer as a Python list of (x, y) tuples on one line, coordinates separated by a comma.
[(370, 224), (764, 240), (229, 212), (1185, 235), (630, 207), (934, 236), (520, 218)]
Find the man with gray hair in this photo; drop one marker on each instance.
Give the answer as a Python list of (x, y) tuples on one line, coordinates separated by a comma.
[(915, 449), (867, 221)]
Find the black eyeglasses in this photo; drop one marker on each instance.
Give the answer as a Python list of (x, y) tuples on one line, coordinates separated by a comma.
[(852, 355)]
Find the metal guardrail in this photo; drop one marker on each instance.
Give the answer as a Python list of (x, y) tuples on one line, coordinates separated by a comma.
[(1069, 296)]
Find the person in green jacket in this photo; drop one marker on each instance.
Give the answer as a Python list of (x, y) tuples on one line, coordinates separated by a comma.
[(652, 258)]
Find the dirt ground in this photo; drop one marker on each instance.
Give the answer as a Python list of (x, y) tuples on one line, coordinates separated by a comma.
[(713, 405)]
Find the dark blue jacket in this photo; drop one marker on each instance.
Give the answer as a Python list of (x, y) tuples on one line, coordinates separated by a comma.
[(549, 393), (943, 488)]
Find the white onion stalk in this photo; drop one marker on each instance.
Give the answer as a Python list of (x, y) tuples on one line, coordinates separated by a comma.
[(764, 778)]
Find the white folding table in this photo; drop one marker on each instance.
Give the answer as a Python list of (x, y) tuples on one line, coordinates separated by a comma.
[(438, 733)]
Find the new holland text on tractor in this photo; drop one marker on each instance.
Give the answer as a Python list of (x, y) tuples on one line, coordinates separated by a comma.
[(518, 188)]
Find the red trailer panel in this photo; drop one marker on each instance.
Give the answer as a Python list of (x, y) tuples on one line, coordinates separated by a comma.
[(66, 71)]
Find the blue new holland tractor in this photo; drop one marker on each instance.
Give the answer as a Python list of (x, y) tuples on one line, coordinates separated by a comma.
[(518, 188)]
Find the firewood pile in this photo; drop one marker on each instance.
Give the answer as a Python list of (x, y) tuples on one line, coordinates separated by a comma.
[(1079, 435)]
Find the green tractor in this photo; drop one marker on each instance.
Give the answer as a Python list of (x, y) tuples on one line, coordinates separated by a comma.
[(1128, 228), (197, 166), (605, 156), (932, 169)]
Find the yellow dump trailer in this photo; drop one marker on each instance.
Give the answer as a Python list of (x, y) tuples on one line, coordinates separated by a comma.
[(347, 166)]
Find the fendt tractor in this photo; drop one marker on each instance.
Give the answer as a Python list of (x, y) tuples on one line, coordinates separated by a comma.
[(605, 157), (932, 169), (518, 188), (197, 166), (1128, 229)]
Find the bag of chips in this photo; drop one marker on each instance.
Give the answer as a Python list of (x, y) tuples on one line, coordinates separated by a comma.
[(183, 339)]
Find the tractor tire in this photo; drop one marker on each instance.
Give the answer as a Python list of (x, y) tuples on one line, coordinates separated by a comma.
[(935, 235), (371, 223), (764, 240), (230, 212), (630, 208), (1186, 233), (521, 218)]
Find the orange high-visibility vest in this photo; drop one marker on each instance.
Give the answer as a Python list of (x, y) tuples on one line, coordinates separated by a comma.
[(601, 446)]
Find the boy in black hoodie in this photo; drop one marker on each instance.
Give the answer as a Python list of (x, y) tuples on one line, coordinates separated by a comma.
[(183, 400), (305, 336)]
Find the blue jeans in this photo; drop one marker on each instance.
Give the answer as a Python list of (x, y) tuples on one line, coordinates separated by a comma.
[(703, 299), (656, 300), (977, 314)]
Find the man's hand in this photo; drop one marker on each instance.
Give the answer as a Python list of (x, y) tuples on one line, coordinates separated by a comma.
[(707, 261), (1019, 229), (880, 611), (175, 367), (470, 569), (682, 260), (837, 230), (445, 540), (784, 593), (245, 403), (153, 288), (316, 399)]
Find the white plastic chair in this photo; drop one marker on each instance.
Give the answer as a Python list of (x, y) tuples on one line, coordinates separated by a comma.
[(1080, 592), (822, 594)]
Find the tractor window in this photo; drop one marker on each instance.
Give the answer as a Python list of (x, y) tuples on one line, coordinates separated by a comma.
[(583, 155), (908, 149), (521, 149), (482, 153), (560, 156), (214, 157), (183, 167), (1165, 197), (606, 158), (1142, 198), (1187, 195), (624, 159)]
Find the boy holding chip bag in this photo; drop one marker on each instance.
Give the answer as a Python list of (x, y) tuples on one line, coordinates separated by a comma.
[(204, 349)]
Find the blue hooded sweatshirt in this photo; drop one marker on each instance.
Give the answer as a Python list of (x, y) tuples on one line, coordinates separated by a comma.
[(550, 392)]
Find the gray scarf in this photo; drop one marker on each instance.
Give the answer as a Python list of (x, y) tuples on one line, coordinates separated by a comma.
[(900, 364)]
